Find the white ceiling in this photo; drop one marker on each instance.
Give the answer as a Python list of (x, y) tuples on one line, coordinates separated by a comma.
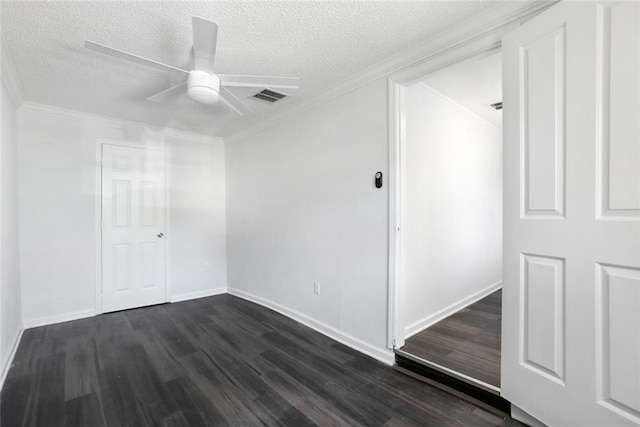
[(474, 85), (322, 42)]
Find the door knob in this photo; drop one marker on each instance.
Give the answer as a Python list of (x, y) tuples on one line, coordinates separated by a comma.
[(160, 235)]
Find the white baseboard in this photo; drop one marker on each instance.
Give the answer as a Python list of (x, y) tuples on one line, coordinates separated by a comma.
[(434, 318), (12, 355), (43, 321), (197, 294), (382, 354)]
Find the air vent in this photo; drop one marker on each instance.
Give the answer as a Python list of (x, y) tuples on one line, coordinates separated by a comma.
[(269, 96), (496, 106)]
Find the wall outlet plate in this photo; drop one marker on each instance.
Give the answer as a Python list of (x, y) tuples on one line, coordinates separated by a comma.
[(316, 288)]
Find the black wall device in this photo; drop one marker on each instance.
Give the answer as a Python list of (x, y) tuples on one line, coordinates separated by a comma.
[(378, 179)]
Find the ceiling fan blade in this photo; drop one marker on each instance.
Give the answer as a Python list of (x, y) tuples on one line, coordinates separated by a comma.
[(259, 81), (129, 56), (205, 39), (167, 94), (234, 102)]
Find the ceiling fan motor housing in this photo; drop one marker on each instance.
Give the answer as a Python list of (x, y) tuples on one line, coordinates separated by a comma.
[(203, 87)]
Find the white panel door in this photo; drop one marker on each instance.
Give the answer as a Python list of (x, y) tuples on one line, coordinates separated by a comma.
[(571, 308), (133, 211)]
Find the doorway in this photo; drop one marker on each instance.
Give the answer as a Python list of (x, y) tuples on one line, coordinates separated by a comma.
[(571, 228), (133, 245), (450, 204)]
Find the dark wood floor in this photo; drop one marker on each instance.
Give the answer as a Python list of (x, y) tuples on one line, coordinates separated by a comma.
[(467, 341), (212, 361)]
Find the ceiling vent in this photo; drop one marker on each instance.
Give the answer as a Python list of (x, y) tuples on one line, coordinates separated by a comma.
[(269, 96), (496, 106)]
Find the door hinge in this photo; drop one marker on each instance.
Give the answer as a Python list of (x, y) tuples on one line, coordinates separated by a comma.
[(393, 343)]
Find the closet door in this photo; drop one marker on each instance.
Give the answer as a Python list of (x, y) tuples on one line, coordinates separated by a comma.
[(133, 244)]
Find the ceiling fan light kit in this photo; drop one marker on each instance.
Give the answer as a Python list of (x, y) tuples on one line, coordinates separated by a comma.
[(203, 85)]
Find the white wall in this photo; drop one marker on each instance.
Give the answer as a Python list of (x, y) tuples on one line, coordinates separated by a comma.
[(302, 207), (10, 306), (197, 218), (57, 199), (451, 208)]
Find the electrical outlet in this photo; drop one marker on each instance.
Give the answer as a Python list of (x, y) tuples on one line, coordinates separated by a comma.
[(207, 267), (316, 288)]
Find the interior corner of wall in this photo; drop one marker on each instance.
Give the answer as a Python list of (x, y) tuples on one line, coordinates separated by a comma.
[(9, 76)]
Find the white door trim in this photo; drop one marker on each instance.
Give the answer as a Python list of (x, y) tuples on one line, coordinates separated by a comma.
[(147, 145), (397, 140), (395, 325), (461, 47)]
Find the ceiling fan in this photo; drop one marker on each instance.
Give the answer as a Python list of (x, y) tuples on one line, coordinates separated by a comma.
[(202, 84)]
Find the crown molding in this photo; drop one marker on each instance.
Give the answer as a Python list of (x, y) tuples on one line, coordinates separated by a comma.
[(9, 76), (487, 29), (53, 112)]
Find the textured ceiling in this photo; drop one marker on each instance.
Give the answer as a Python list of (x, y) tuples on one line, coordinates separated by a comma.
[(321, 42), (473, 84)]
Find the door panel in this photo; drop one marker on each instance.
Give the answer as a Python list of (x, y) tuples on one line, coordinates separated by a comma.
[(121, 264), (133, 251), (619, 113), (618, 344), (542, 62), (148, 204), (571, 295), (149, 265), (121, 203), (543, 335)]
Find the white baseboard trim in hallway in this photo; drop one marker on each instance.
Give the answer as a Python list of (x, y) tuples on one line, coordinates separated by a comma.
[(423, 324), (383, 355)]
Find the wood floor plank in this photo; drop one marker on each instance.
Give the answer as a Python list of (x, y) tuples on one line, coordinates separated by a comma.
[(216, 361), (174, 339), (275, 410), (195, 407), (15, 399), (119, 401), (468, 341), (46, 400), (231, 400), (177, 419), (81, 377), (85, 410), (363, 411), (166, 364), (306, 401), (28, 352), (439, 340)]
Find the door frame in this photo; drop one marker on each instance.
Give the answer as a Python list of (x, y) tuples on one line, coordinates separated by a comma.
[(146, 145), (485, 38)]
